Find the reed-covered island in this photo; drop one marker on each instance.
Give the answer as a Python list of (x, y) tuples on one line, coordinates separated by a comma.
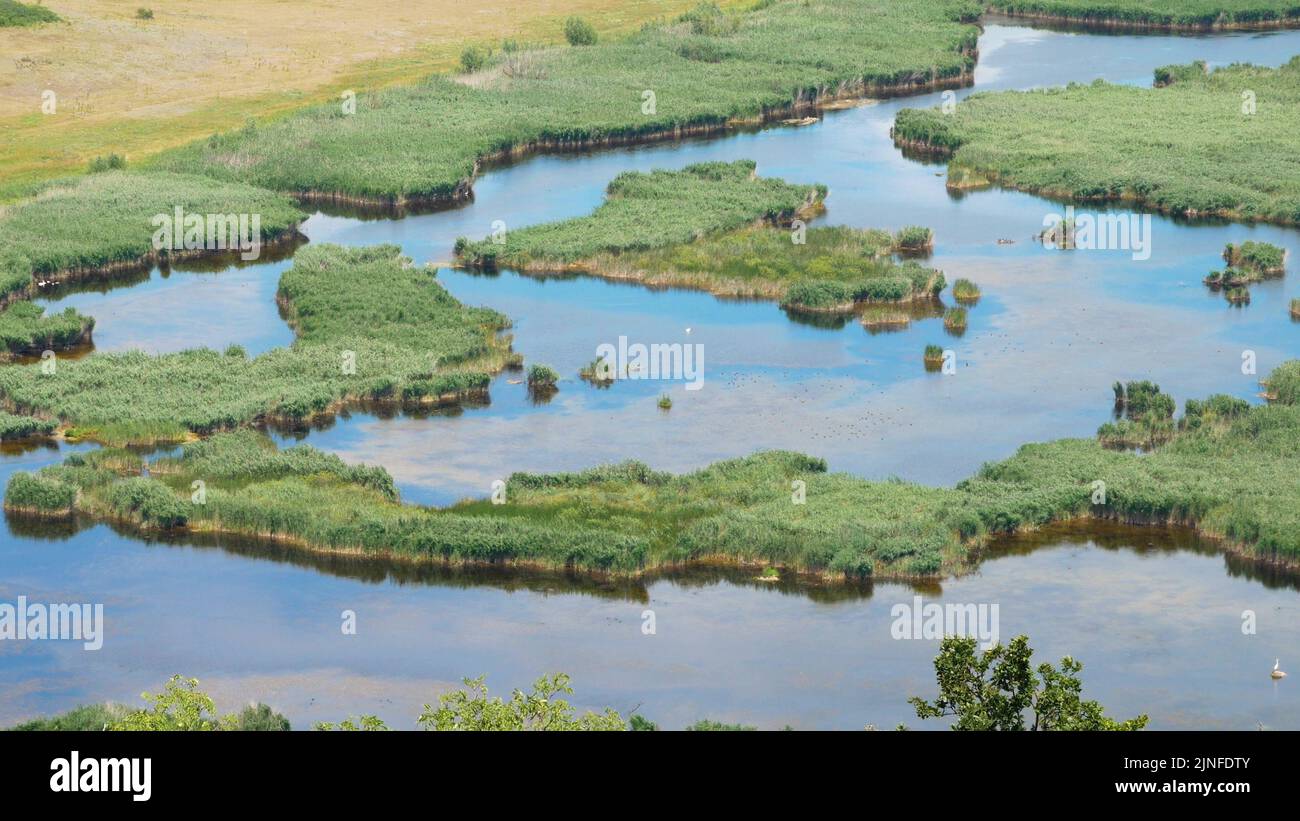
[(105, 223), (720, 228), (1227, 468), (703, 72), (369, 326), (1225, 144)]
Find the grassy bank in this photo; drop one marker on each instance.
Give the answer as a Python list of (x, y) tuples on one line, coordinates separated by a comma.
[(112, 98), (718, 228), (1229, 469), (1170, 15), (693, 74), (1208, 156), (368, 327)]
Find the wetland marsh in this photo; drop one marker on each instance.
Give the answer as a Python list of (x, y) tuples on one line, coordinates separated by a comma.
[(1050, 333)]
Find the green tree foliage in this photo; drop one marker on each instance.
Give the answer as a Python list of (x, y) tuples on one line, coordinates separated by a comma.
[(364, 723), (180, 706), (473, 709), (997, 690), (640, 723), (708, 725)]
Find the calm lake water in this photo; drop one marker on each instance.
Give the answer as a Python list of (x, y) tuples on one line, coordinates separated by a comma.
[(1155, 617)]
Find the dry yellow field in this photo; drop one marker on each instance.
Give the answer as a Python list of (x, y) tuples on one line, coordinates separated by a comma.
[(134, 86)]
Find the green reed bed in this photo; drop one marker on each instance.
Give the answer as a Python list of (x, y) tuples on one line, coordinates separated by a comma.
[(933, 357), (1230, 469), (24, 427), (106, 219), (955, 320), (1166, 14), (103, 222), (1283, 384), (1234, 477), (26, 329), (966, 292), (1263, 257), (705, 71), (15, 14), (1146, 417), (649, 210), (619, 518), (717, 227), (368, 325), (1212, 151)]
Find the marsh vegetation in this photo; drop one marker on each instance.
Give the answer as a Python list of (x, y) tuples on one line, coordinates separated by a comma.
[(1227, 468), (1184, 15), (719, 228), (368, 326), (1218, 154), (706, 70), (15, 14)]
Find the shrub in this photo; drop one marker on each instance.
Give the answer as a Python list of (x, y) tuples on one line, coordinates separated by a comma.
[(473, 59), (817, 295), (708, 20), (86, 718), (15, 14), (707, 725), (1263, 257), (149, 502), (39, 493), (143, 13), (579, 32), (258, 718), (110, 163)]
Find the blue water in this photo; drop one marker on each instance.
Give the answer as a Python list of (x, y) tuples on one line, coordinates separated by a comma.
[(1157, 626)]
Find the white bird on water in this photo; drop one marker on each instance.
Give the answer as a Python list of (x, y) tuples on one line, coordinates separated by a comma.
[(1276, 672)]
